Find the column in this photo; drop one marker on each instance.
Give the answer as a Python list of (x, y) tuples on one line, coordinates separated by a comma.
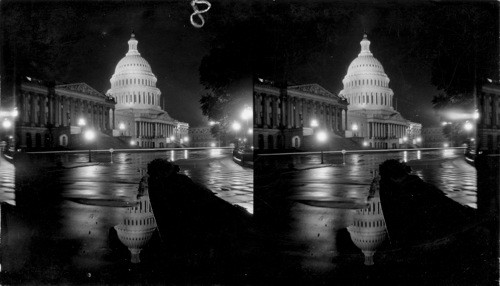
[(265, 111), (274, 111), (494, 116), (42, 108)]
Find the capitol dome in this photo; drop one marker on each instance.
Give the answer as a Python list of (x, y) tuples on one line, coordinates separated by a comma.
[(368, 230), (366, 86), (133, 84)]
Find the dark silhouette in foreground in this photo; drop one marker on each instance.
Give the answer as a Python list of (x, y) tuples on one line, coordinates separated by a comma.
[(416, 211), (202, 230)]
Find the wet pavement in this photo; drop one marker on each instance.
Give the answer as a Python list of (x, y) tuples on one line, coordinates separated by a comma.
[(323, 228), (64, 219)]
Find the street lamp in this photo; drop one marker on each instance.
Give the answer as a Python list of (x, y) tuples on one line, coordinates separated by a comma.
[(186, 139), (468, 126), (321, 136), (354, 128), (121, 126), (236, 127), (247, 113), (89, 135), (314, 123), (81, 122), (476, 114), (6, 124)]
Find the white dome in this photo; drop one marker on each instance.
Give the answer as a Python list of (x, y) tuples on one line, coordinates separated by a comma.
[(133, 84), (366, 86)]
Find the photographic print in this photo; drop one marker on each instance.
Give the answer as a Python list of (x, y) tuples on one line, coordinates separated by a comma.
[(125, 144)]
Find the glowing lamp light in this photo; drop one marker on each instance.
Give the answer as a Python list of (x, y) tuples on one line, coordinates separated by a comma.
[(132, 143), (250, 131), (468, 126), (314, 123), (247, 113), (121, 126), (81, 122), (186, 139), (419, 139), (476, 114), (212, 144), (15, 113), (236, 126), (446, 145), (7, 124), (211, 123), (355, 127), (321, 136), (365, 143), (405, 138), (172, 138), (89, 135)]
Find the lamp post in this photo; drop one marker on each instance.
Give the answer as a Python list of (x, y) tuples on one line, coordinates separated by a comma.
[(321, 137), (354, 128), (246, 115), (236, 127), (314, 123), (121, 126), (212, 123), (89, 135)]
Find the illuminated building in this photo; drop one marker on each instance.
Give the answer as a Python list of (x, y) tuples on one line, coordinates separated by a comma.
[(283, 117), (202, 137), (49, 113), (371, 114), (133, 85)]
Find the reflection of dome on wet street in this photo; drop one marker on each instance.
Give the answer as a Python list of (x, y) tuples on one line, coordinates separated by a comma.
[(368, 230), (137, 227)]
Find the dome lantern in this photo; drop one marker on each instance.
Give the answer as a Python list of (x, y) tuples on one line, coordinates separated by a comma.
[(365, 46), (132, 46)]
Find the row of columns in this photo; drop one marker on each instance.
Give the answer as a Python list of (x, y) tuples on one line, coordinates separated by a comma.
[(150, 98), (386, 130), (42, 109), (295, 112), (153, 130), (377, 99)]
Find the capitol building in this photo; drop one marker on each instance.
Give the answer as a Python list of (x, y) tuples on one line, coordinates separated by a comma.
[(371, 114), (138, 111)]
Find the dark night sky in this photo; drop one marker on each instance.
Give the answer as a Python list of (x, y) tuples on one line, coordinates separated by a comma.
[(312, 41)]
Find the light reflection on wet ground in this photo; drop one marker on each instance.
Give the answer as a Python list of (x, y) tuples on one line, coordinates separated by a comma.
[(83, 203), (310, 208)]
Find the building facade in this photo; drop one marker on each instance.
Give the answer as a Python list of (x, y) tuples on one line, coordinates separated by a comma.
[(50, 116), (202, 137), (138, 110), (433, 137), (488, 125), (371, 114), (283, 116)]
